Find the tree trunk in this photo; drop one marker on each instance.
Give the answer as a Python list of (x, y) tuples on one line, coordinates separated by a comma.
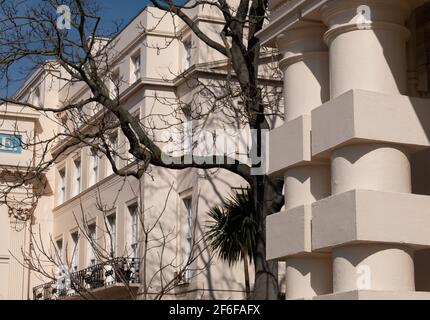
[(246, 271), (266, 272)]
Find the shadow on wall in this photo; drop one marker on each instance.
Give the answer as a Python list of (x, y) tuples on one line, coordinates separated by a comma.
[(212, 278)]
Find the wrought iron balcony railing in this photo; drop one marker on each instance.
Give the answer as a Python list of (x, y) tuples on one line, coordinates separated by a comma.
[(106, 274)]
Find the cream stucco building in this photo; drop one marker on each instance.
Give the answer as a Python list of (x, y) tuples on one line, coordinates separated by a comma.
[(79, 179), (353, 152), (355, 148)]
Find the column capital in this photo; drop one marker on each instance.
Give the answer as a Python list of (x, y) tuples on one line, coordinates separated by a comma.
[(351, 15), (343, 28), (294, 58), (300, 43), (305, 66), (364, 12)]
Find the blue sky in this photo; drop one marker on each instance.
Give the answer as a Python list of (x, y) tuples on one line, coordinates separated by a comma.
[(119, 11)]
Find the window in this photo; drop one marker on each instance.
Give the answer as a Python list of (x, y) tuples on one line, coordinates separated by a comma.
[(75, 250), (26, 97), (135, 68), (114, 150), (62, 186), (130, 156), (188, 129), (59, 255), (63, 126), (77, 176), (94, 169), (188, 236), (187, 56), (133, 230), (60, 268), (36, 96), (111, 235), (78, 116), (91, 257), (114, 84)]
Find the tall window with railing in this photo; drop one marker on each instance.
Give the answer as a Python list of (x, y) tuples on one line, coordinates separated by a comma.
[(132, 210), (91, 257), (74, 237), (59, 256), (60, 272), (111, 235)]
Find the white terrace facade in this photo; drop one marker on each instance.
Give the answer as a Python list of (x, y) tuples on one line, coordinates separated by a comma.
[(353, 152), (79, 179)]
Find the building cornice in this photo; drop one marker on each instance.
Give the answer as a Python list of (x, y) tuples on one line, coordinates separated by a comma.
[(339, 29), (101, 185), (293, 13), (8, 110), (146, 83)]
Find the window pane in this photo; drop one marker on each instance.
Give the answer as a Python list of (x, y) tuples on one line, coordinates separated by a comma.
[(111, 235), (75, 250), (91, 243), (135, 68), (94, 169), (188, 233), (59, 254), (187, 58), (114, 150), (114, 84), (77, 181), (133, 230), (62, 186)]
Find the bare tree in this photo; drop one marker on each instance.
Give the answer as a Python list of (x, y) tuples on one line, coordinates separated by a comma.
[(245, 95)]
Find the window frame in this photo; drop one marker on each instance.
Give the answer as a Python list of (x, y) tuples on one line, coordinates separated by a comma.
[(37, 93), (77, 186), (136, 68), (133, 238), (112, 240), (92, 234), (187, 54), (115, 77), (94, 169), (62, 185), (74, 261), (59, 252), (114, 148), (188, 234)]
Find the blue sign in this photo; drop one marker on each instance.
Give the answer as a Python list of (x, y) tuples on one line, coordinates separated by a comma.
[(10, 143)]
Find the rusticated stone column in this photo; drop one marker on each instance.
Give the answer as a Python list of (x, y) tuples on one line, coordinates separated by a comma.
[(305, 69), (369, 54)]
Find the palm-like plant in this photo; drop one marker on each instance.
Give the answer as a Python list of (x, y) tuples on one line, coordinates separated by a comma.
[(232, 233)]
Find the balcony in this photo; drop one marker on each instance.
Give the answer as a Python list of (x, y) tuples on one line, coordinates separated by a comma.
[(114, 279)]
